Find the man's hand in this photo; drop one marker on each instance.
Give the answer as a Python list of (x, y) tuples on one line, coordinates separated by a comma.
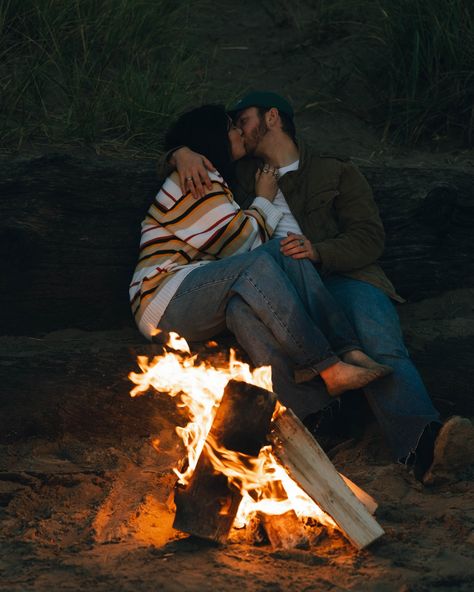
[(297, 246), (193, 170)]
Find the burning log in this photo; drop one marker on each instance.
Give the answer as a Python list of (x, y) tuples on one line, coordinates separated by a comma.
[(310, 468), (285, 531), (207, 506)]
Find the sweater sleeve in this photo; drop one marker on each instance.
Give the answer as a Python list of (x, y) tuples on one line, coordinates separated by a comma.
[(216, 226), (361, 236)]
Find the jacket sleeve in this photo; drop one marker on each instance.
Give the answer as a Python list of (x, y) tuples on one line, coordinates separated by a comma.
[(360, 238)]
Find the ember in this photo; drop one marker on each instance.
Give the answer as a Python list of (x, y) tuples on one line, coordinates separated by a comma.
[(256, 480)]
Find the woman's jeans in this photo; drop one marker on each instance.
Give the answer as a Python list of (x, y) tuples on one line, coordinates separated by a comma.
[(285, 296)]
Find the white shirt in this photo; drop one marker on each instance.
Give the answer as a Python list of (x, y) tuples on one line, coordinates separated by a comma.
[(288, 222)]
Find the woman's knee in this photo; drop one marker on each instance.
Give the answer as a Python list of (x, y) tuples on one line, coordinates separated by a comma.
[(263, 265)]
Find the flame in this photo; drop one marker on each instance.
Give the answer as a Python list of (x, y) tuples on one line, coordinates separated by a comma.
[(178, 343), (264, 484)]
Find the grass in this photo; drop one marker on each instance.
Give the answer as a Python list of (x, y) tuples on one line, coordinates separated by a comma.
[(108, 74), (112, 74), (428, 49), (418, 60)]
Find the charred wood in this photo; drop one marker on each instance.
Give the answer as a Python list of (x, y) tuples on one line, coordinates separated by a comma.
[(207, 506)]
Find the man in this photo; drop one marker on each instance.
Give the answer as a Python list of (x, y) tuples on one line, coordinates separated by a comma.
[(330, 217)]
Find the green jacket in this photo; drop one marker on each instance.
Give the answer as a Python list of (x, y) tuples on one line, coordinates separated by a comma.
[(335, 208)]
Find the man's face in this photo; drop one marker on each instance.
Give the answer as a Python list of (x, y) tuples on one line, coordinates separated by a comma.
[(254, 129)]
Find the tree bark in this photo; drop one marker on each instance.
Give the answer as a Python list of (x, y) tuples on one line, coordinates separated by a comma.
[(70, 229)]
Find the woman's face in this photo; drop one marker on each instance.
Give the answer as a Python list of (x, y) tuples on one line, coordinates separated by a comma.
[(237, 146)]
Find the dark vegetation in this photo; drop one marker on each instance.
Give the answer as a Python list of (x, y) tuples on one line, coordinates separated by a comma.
[(112, 74), (416, 58), (107, 74)]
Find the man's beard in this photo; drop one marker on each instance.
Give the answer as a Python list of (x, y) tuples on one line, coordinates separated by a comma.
[(252, 144)]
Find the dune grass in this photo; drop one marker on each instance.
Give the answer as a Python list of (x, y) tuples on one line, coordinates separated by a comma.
[(428, 78), (108, 74), (417, 56)]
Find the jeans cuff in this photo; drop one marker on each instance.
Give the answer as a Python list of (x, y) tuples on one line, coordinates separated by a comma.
[(309, 371), (348, 348), (325, 364)]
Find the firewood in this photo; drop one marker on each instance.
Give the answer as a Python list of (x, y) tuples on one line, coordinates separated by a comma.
[(207, 506), (361, 495), (308, 465), (253, 533), (285, 531)]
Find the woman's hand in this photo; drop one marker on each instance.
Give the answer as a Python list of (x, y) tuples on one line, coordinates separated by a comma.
[(297, 246), (266, 182), (192, 169)]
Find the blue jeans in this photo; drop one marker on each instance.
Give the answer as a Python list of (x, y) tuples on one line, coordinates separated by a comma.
[(262, 347), (198, 309), (400, 401)]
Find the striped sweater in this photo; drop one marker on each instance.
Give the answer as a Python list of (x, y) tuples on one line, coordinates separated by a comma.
[(180, 233)]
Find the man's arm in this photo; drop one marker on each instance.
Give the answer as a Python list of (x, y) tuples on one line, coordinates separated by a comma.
[(361, 237)]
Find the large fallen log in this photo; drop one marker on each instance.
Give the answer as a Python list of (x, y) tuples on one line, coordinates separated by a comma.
[(308, 465), (69, 233), (207, 506)]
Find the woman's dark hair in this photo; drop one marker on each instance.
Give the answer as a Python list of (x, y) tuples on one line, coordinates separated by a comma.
[(204, 130)]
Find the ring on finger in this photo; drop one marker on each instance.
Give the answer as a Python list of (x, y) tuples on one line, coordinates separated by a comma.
[(190, 179), (301, 241)]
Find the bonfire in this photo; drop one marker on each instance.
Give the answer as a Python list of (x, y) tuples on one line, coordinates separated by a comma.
[(248, 456)]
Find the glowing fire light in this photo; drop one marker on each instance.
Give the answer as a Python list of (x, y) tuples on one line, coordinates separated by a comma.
[(201, 388)]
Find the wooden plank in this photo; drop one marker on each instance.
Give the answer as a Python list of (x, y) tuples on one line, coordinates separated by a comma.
[(308, 465), (207, 506), (361, 495)]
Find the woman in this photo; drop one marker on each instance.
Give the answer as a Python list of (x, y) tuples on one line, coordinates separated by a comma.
[(197, 257)]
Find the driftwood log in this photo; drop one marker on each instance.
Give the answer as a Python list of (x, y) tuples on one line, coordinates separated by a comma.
[(69, 233), (207, 506)]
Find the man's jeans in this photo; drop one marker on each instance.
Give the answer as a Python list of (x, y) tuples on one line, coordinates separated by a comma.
[(271, 286), (400, 401)]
